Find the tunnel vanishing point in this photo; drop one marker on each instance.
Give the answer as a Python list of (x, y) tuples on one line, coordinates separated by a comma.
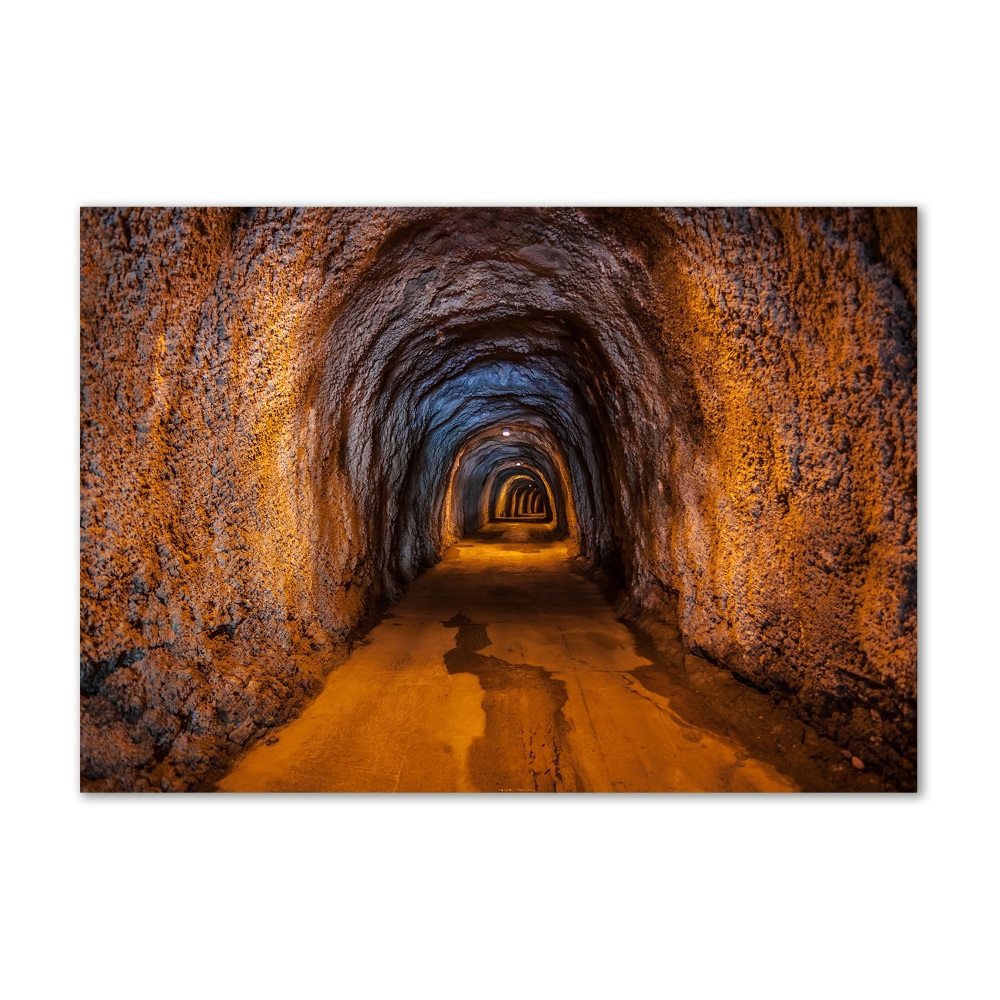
[(292, 419)]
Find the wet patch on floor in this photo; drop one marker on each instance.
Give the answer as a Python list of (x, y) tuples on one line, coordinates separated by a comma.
[(525, 727)]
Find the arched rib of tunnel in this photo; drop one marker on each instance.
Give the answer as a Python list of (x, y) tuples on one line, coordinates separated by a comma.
[(519, 495), (288, 415), (515, 489), (488, 460)]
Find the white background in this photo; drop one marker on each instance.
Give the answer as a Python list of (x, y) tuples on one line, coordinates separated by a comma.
[(859, 103)]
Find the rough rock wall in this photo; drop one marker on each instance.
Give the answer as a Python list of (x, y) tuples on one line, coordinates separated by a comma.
[(206, 614), (286, 415), (792, 535)]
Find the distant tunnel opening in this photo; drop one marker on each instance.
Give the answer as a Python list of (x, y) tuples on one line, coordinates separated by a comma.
[(519, 501), (520, 494)]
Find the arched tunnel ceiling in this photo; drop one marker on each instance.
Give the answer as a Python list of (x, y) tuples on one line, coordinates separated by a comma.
[(478, 318), (305, 405)]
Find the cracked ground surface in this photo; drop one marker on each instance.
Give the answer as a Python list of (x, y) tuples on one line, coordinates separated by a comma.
[(502, 669)]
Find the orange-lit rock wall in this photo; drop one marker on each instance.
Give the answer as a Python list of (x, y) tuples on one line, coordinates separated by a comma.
[(274, 403), (787, 521), (215, 577)]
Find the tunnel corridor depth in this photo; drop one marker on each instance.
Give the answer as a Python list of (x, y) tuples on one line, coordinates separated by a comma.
[(293, 421), (501, 670)]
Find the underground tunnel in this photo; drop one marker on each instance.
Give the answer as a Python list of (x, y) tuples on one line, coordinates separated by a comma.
[(441, 480)]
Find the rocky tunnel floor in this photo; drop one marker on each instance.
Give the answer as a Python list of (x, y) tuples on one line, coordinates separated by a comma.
[(504, 669)]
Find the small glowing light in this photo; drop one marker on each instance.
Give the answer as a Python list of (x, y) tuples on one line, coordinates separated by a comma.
[(505, 432), (517, 463)]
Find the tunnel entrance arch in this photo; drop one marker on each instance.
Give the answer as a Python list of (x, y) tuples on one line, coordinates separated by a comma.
[(517, 489), (521, 494), (489, 462)]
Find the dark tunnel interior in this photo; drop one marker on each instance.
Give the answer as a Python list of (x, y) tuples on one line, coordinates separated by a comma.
[(288, 416)]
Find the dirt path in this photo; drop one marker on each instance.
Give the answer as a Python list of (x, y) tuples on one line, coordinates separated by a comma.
[(500, 670)]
